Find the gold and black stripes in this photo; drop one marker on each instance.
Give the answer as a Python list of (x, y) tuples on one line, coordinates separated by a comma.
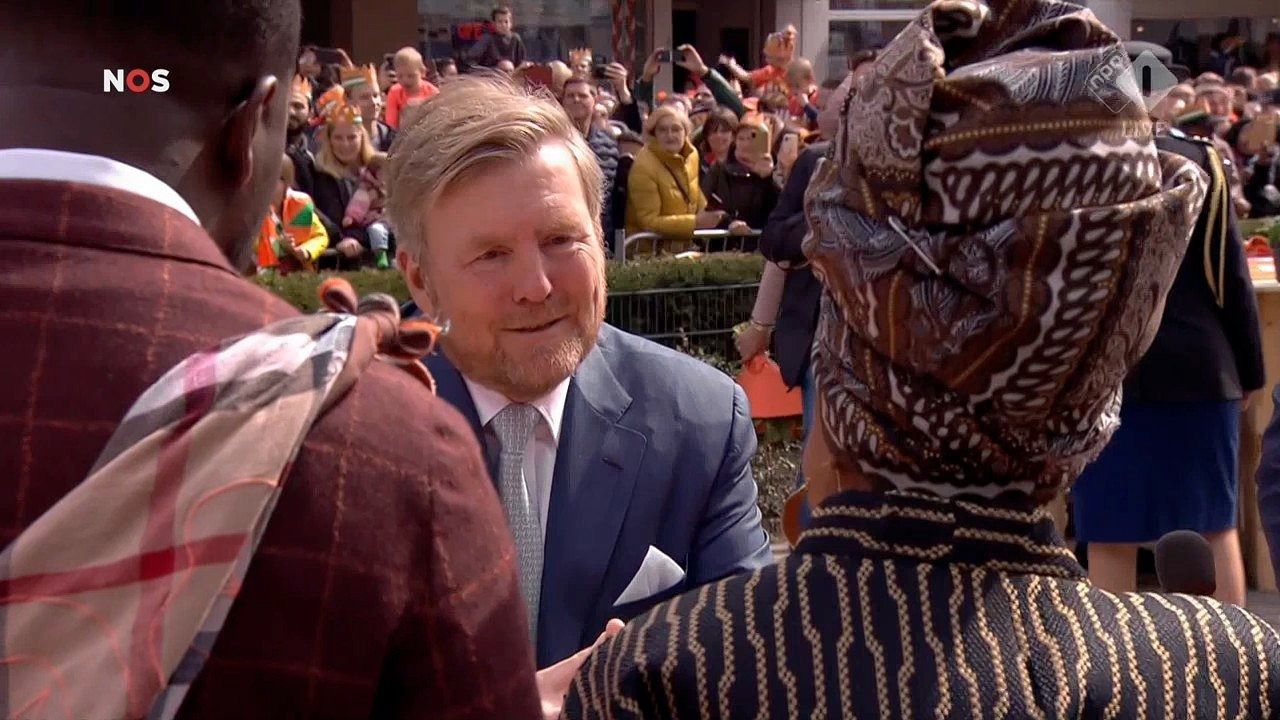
[(856, 632)]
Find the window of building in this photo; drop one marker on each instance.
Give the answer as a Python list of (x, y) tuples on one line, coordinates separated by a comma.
[(857, 25)]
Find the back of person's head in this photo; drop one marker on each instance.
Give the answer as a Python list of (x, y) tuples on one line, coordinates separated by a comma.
[(980, 312), (1243, 76), (215, 134), (860, 58), (1208, 78), (799, 73), (629, 142), (477, 122)]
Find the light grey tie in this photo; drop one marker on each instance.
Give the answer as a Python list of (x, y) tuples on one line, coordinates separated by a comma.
[(513, 425)]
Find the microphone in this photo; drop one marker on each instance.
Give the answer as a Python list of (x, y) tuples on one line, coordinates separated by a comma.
[(1184, 564)]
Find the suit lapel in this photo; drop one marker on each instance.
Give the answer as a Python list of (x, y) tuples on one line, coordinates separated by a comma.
[(597, 463), (451, 388)]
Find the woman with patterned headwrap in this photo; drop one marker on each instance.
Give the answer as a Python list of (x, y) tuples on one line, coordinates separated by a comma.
[(995, 246)]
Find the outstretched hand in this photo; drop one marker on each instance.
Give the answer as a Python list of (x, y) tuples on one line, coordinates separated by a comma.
[(553, 682)]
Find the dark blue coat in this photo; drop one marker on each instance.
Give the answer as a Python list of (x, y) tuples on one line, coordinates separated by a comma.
[(655, 449)]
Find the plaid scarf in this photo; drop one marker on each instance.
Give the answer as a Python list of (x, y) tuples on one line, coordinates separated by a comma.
[(113, 598)]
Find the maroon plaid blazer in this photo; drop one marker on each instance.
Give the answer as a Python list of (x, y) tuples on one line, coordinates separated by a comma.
[(385, 584)]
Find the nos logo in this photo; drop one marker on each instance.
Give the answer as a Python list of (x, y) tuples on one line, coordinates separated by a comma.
[(137, 80)]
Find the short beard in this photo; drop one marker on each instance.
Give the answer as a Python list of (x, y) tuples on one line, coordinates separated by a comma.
[(529, 378)]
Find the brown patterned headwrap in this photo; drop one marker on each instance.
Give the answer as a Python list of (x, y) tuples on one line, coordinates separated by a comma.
[(996, 245)]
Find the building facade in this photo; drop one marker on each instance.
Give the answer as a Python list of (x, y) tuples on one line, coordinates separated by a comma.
[(627, 30)]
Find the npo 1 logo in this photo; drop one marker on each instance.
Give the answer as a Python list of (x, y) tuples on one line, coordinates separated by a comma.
[(1116, 82), (137, 80)]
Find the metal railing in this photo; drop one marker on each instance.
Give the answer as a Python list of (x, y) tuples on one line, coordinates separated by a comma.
[(703, 241), (699, 320)]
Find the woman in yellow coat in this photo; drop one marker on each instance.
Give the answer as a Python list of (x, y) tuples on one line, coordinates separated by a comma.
[(663, 195)]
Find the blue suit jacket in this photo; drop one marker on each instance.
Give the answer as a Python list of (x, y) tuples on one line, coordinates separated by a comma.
[(655, 449)]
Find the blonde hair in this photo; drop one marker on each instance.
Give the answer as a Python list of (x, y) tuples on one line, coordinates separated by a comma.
[(799, 70), (667, 111), (407, 56), (475, 122), (329, 163)]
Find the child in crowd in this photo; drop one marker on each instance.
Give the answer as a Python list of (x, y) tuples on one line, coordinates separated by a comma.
[(292, 235), (366, 207), (411, 85), (503, 43)]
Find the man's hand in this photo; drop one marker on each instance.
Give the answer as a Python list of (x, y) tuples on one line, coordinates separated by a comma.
[(617, 75), (690, 60), (553, 682), (738, 228), (728, 61), (652, 66)]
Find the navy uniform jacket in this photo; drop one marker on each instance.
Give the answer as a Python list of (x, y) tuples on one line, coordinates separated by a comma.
[(903, 606), (1208, 346), (780, 243)]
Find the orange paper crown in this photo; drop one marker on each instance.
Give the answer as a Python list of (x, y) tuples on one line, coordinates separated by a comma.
[(329, 99), (301, 86), (344, 113), (352, 78)]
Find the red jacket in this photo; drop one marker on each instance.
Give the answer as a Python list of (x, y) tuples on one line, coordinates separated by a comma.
[(385, 585)]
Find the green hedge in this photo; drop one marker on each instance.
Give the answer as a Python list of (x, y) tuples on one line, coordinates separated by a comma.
[(1269, 227), (299, 289)]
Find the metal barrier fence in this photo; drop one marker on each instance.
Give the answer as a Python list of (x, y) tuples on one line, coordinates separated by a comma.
[(698, 320), (649, 244)]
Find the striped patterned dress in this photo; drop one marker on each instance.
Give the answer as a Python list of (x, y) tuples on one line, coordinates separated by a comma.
[(904, 606)]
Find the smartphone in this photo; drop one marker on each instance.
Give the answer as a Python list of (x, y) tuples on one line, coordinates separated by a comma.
[(598, 65), (664, 56)]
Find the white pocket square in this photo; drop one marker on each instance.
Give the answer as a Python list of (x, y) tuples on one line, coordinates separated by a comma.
[(657, 573)]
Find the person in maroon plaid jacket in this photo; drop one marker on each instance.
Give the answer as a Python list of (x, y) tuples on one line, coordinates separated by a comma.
[(385, 584)]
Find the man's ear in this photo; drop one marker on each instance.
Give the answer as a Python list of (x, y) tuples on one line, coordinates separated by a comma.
[(241, 129), (411, 269)]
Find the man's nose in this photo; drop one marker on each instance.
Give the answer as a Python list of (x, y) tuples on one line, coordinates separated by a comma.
[(531, 282)]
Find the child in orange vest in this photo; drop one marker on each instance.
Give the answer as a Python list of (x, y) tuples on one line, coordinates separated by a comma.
[(292, 236)]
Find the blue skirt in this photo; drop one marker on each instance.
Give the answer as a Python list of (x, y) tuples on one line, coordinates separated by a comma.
[(1170, 466)]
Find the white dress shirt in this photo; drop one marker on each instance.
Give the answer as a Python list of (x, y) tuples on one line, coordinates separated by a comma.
[(57, 165), (540, 454)]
